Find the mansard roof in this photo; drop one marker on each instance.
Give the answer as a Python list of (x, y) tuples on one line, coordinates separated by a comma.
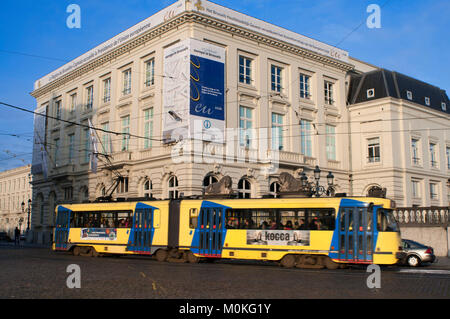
[(384, 83)]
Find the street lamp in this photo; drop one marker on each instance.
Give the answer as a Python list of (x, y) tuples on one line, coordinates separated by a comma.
[(330, 179), (316, 189), (317, 174), (28, 211)]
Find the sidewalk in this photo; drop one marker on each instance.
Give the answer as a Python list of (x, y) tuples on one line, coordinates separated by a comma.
[(442, 262), (24, 245)]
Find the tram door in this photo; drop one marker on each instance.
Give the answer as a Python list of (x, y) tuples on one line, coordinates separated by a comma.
[(62, 229), (356, 234), (141, 235), (211, 231)]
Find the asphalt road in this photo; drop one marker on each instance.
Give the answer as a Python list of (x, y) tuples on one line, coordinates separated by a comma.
[(42, 274)]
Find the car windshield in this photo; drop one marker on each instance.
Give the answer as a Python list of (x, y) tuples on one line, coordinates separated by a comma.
[(386, 221)]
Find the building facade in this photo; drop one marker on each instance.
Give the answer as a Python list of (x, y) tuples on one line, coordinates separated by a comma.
[(404, 140), (284, 110), (15, 194)]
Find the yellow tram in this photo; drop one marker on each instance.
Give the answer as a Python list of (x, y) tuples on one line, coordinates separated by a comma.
[(301, 232)]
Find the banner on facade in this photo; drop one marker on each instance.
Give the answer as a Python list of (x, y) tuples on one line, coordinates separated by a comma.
[(194, 91), (278, 237), (39, 160)]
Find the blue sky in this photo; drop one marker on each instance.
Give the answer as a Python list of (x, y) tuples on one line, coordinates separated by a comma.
[(413, 39)]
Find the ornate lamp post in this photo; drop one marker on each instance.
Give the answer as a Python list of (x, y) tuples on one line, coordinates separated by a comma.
[(28, 212), (316, 189)]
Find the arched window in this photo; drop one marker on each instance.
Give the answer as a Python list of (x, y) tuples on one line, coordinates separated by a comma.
[(209, 179), (274, 189), (173, 187), (244, 188), (148, 188)]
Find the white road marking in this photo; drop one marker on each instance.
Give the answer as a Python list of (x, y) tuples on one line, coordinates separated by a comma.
[(426, 271)]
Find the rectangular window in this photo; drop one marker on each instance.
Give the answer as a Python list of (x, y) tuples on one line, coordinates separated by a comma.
[(123, 186), (106, 139), (125, 133), (245, 70), (276, 78), (127, 82), (148, 128), (150, 72), (73, 103), (71, 147), (328, 90), (68, 193), (433, 155), (87, 145), (373, 148), (331, 142), (245, 126), (305, 89), (277, 131), (415, 151), (447, 152), (89, 97), (434, 191), (107, 90), (306, 138), (415, 188), (56, 153), (58, 111)]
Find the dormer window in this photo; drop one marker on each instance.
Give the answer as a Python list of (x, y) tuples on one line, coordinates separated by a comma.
[(444, 106), (370, 93), (409, 95), (427, 101)]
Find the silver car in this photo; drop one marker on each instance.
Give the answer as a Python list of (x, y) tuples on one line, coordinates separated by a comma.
[(416, 253)]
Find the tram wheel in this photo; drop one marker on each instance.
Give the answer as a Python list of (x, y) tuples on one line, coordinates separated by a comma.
[(76, 251), (161, 255), (288, 261), (191, 258), (92, 252), (330, 264)]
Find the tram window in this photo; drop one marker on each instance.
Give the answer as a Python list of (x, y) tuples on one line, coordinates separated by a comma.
[(193, 218), (369, 221), (108, 219), (281, 219), (342, 222), (386, 221)]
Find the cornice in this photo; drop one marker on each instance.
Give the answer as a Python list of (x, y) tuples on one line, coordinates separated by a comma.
[(269, 41), (127, 47), (190, 17)]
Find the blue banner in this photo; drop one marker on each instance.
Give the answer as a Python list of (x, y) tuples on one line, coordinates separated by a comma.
[(207, 88)]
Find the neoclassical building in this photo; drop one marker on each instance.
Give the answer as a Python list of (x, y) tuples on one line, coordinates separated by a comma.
[(15, 189), (159, 94), (403, 142)]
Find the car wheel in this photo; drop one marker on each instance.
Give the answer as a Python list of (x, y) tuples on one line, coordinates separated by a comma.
[(413, 261)]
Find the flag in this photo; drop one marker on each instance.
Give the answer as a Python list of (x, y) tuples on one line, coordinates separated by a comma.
[(94, 149)]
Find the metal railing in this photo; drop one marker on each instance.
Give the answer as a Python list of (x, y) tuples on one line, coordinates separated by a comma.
[(426, 216)]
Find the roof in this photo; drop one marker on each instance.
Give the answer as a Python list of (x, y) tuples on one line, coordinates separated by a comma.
[(385, 83)]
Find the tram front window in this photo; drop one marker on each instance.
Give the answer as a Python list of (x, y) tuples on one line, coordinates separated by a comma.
[(386, 221)]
